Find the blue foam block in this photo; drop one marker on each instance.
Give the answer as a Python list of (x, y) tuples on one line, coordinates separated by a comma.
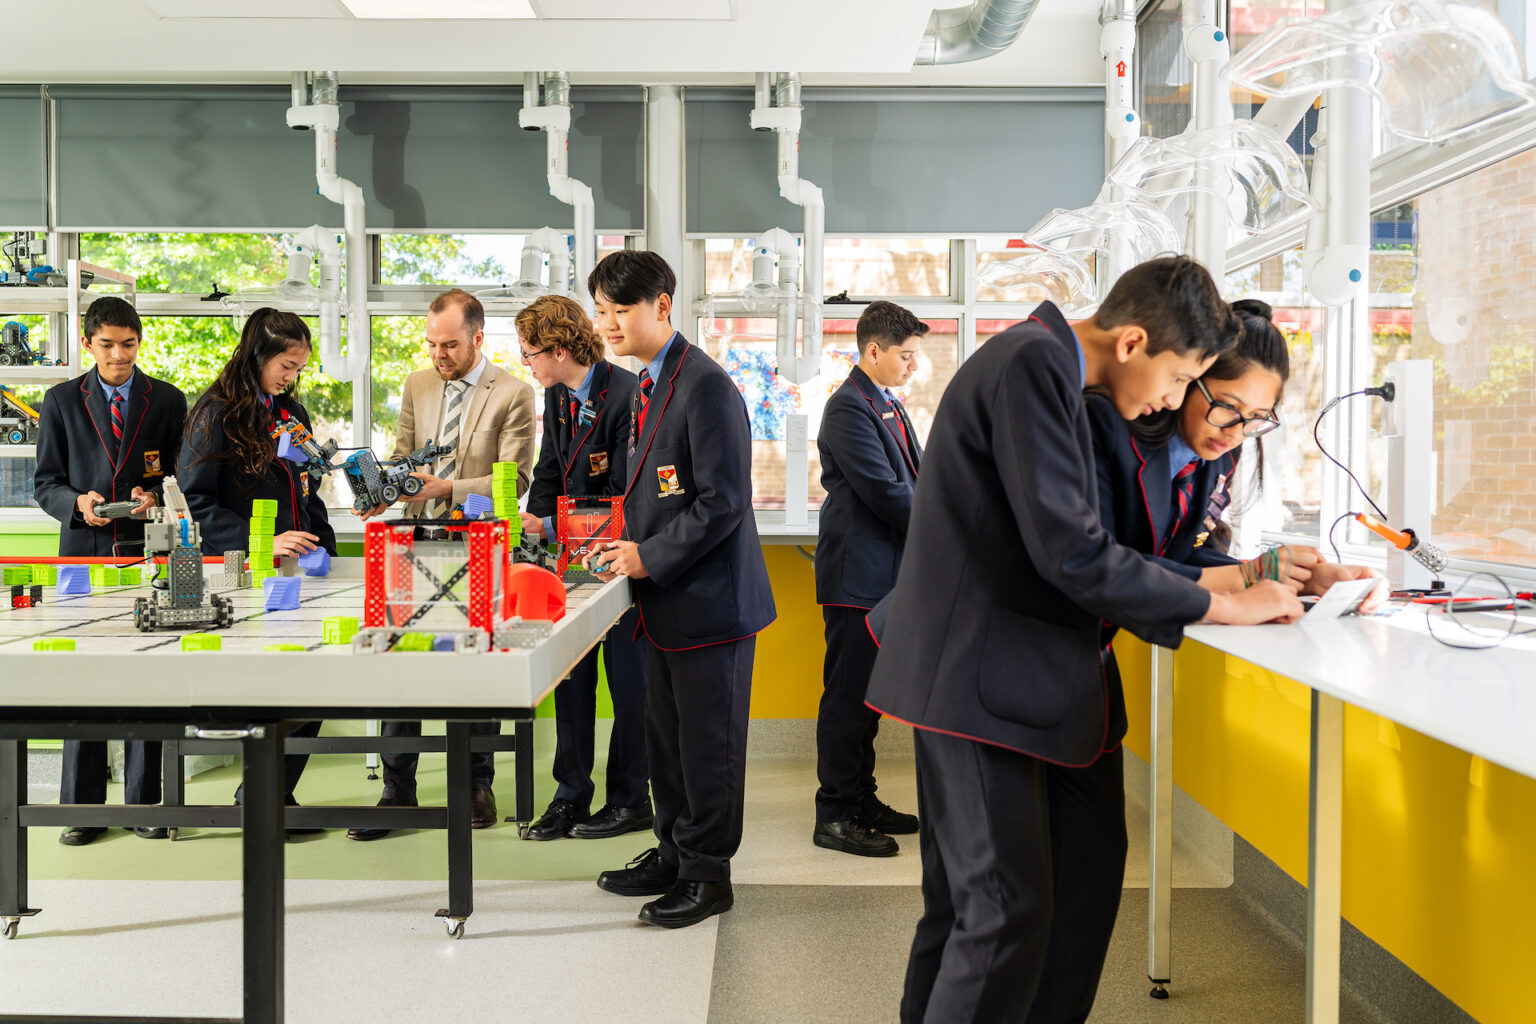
[(477, 505), (316, 562), (74, 579), (282, 593), (286, 449), (442, 643)]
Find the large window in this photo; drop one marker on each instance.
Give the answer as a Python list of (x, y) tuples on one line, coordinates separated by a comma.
[(746, 347), (858, 267)]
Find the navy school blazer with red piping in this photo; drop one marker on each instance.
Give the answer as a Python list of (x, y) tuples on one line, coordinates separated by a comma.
[(73, 459), (688, 504), (993, 634), (1136, 494), (221, 505), (596, 464), (869, 474)]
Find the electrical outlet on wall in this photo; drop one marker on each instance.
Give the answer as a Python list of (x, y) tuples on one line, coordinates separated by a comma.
[(797, 428)]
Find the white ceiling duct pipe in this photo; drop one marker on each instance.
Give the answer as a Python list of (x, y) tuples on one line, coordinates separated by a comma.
[(1117, 46), (553, 117), (797, 366), (960, 34), (545, 243), (1206, 43), (323, 114), (294, 293)]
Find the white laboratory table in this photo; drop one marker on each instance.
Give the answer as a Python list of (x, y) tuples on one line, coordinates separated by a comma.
[(123, 684), (1480, 701)]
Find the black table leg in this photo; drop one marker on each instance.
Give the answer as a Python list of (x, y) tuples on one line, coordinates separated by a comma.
[(13, 838), (262, 844), (522, 766), (461, 877)]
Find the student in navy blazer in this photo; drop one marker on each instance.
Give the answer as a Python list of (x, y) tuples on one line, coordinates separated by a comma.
[(229, 459), (111, 434), (1165, 481), (869, 461), (583, 455), (992, 648), (696, 565)]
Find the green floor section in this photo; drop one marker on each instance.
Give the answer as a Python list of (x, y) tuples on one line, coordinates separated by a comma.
[(340, 779)]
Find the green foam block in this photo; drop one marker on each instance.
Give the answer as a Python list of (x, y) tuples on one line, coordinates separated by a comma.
[(264, 508), (53, 643), (340, 629), (202, 642), (415, 642), (283, 647)]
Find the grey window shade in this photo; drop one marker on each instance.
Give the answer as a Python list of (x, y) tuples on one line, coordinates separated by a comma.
[(446, 160), (949, 164), (23, 173)]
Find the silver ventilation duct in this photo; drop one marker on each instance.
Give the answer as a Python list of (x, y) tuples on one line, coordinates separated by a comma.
[(956, 35)]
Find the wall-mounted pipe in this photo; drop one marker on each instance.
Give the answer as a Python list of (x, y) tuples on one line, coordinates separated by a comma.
[(1206, 43), (553, 117), (795, 365), (1117, 47), (957, 35), (322, 114), (318, 245)]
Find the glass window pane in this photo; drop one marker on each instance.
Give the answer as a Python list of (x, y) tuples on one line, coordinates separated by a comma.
[(861, 267), (464, 260), (1463, 283), (190, 263), (746, 347)]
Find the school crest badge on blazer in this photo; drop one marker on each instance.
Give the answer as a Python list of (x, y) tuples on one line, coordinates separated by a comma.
[(152, 464), (597, 462), (666, 479)]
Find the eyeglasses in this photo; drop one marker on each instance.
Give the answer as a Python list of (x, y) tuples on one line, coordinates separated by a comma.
[(1222, 415), (528, 356)]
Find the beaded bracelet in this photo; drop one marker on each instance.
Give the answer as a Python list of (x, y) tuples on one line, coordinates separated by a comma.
[(1273, 564)]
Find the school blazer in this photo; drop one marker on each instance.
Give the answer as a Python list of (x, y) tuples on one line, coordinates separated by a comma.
[(593, 463), (1136, 494), (688, 504), (496, 426), (217, 495), (72, 459), (869, 475), (993, 632)]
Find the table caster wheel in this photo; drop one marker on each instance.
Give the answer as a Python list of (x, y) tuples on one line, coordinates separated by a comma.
[(455, 928), (171, 833), (12, 926), (522, 829), (1159, 992), (373, 776)]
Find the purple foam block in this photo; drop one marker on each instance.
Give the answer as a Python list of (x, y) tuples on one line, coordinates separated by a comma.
[(286, 449), (477, 505), (282, 593), (442, 643), (74, 579), (316, 562)]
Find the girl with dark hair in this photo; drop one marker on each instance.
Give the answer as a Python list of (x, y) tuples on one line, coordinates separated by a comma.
[(1165, 483), (229, 457)]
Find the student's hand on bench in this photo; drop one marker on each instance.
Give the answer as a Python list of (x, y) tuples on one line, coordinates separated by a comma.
[(1329, 573), (618, 558), (88, 501), (146, 500), (294, 542), (1265, 601)]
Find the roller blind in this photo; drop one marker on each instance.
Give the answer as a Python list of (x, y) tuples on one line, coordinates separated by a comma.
[(940, 162), (24, 180), (435, 159)]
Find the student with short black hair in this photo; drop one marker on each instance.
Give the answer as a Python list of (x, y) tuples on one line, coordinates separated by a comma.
[(991, 649), (869, 461), (692, 554), (111, 434), (229, 459)]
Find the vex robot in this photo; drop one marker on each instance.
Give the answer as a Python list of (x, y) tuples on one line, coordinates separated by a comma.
[(372, 482), (180, 598), (18, 420)]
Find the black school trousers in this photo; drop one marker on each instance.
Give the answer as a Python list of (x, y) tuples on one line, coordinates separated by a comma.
[(1023, 864), (845, 726), (624, 658), (696, 707)]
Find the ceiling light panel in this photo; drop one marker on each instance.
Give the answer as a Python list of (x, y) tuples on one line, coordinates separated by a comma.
[(442, 10)]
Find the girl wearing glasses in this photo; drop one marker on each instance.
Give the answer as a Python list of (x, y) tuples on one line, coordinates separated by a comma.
[(1165, 482)]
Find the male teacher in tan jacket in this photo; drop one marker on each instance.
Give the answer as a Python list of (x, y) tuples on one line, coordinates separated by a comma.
[(486, 414)]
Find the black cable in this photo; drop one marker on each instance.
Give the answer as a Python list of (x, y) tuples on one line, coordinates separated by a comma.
[(1319, 441), (1331, 542)]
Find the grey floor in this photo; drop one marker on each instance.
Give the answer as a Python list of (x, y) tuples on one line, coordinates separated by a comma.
[(814, 936)]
